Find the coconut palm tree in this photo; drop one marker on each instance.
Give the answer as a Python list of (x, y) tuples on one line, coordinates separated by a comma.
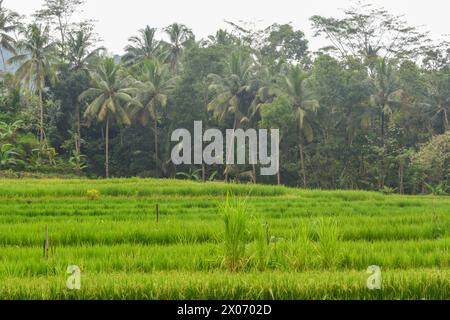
[(79, 50), (179, 36), (437, 103), (386, 91), (37, 58), (81, 58), (230, 91), (8, 24), (109, 98), (292, 83), (264, 84), (222, 37), (142, 47), (267, 90), (386, 95), (155, 82)]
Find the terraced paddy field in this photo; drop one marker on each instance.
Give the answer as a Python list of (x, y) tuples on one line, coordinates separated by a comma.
[(293, 244)]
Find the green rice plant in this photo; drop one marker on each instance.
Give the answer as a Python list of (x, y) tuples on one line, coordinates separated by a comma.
[(349, 285), (93, 194), (328, 243), (436, 191), (303, 248), (235, 215), (285, 242), (261, 246)]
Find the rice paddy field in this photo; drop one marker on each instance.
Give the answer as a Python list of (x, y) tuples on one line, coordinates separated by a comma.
[(218, 241)]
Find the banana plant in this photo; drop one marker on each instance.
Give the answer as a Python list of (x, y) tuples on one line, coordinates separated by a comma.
[(8, 131), (78, 162), (190, 175), (8, 156)]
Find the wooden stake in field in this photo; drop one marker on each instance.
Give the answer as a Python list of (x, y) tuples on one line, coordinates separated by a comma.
[(46, 243), (157, 213)]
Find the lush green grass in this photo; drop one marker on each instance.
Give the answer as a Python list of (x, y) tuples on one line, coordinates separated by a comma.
[(280, 243)]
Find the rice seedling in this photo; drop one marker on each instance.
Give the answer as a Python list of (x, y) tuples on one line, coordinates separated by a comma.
[(327, 245), (235, 216)]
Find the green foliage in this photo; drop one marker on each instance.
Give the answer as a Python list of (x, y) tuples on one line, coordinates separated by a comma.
[(366, 111), (277, 115), (8, 156), (191, 175), (438, 190), (433, 160), (286, 44), (388, 190), (8, 132), (78, 161)]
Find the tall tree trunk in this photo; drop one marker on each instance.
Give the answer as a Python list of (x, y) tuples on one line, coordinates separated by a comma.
[(383, 154), (156, 148), (78, 131), (302, 163), (401, 188), (445, 121), (63, 38), (230, 151), (278, 176), (107, 148), (41, 122), (205, 102), (301, 155)]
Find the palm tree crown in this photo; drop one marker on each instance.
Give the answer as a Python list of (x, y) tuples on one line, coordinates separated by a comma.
[(8, 24), (142, 47), (180, 36), (79, 53), (110, 94), (37, 57), (230, 89)]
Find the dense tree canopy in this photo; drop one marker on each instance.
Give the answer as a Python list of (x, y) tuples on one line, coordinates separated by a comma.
[(370, 111)]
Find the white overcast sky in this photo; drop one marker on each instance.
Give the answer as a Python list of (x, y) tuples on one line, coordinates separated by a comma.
[(117, 20)]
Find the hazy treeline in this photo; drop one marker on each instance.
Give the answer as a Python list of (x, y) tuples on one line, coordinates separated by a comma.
[(370, 111)]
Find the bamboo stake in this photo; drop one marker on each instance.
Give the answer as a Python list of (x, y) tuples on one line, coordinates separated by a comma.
[(157, 213), (46, 243)]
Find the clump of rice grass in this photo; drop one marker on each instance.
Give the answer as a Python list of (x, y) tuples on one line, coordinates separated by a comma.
[(328, 246), (93, 194), (235, 215)]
